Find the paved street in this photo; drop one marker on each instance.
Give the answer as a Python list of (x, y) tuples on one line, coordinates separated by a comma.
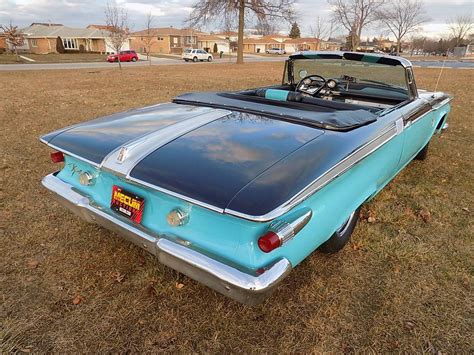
[(447, 64), (172, 61), (155, 61)]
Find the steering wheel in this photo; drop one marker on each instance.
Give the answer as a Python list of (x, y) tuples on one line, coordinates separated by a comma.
[(309, 82)]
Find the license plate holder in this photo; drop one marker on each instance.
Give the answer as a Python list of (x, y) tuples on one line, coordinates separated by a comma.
[(127, 204)]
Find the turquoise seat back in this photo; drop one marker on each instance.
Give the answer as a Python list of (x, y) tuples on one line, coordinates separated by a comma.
[(275, 94)]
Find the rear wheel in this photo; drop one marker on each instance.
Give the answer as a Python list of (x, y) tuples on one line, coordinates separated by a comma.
[(209, 59), (423, 154), (195, 59), (342, 235)]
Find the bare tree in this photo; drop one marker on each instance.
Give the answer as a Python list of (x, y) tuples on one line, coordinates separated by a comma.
[(14, 37), (226, 10), (321, 29), (461, 27), (116, 19), (266, 27), (402, 17), (354, 15), (148, 39)]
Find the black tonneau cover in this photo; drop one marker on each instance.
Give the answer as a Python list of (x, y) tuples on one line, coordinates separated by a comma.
[(317, 114)]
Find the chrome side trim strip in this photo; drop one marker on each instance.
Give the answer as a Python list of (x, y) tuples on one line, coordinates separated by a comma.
[(230, 281), (324, 179), (442, 103), (123, 159)]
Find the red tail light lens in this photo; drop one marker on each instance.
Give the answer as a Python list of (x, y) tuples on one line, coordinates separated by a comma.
[(269, 241), (57, 157)]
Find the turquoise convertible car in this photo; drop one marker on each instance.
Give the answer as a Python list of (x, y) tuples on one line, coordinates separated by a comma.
[(234, 189)]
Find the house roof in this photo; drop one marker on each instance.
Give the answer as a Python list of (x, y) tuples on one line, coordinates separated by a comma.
[(46, 24), (302, 40), (167, 31), (227, 33), (101, 27), (260, 41), (205, 37), (42, 31)]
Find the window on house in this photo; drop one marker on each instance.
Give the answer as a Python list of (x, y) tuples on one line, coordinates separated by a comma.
[(175, 40), (70, 43), (190, 39), (34, 42)]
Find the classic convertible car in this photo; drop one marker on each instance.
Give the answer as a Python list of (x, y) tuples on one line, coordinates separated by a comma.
[(234, 189)]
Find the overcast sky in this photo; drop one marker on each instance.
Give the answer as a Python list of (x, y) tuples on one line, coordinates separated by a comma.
[(80, 13)]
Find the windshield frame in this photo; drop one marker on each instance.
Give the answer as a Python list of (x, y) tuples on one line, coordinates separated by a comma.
[(289, 75)]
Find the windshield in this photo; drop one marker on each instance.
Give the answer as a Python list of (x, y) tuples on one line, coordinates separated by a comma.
[(374, 73)]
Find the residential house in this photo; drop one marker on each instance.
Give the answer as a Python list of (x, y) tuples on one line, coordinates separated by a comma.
[(290, 45), (293, 45), (213, 44), (168, 40), (330, 45), (260, 45), (3, 43), (41, 38)]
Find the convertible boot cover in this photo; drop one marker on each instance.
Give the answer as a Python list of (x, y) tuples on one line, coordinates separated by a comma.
[(336, 116)]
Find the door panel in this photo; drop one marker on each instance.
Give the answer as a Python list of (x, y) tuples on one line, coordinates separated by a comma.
[(417, 130)]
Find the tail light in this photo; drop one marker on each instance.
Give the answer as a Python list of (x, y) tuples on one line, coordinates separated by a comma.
[(57, 157), (281, 231)]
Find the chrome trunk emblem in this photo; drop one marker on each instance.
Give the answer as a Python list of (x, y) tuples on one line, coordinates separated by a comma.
[(122, 155)]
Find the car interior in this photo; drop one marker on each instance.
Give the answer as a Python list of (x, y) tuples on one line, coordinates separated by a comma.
[(338, 102)]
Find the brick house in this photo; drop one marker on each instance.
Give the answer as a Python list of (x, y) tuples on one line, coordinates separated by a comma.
[(168, 40), (290, 45), (301, 44), (260, 45), (3, 43), (213, 43), (41, 38)]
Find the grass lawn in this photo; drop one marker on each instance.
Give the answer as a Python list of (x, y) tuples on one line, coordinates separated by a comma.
[(9, 59), (403, 284), (55, 58)]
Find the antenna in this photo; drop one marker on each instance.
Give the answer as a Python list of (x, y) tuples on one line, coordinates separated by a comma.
[(439, 76)]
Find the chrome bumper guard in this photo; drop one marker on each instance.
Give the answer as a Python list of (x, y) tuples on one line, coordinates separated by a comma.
[(240, 286)]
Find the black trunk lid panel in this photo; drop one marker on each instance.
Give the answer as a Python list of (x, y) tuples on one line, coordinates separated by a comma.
[(214, 162)]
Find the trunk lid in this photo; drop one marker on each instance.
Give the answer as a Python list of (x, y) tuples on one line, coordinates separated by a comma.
[(212, 163)]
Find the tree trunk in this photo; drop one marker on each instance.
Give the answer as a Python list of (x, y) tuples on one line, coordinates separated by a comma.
[(399, 44), (354, 42), (120, 63), (16, 53), (240, 43)]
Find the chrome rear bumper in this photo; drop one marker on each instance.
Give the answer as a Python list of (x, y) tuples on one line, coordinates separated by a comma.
[(242, 287)]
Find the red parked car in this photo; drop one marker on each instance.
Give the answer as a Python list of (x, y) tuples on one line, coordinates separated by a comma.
[(124, 56)]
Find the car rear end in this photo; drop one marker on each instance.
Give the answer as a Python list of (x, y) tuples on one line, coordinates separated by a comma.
[(242, 258), (187, 54), (193, 240)]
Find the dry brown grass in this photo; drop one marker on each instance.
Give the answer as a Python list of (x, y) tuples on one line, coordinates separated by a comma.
[(403, 284), (54, 58)]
